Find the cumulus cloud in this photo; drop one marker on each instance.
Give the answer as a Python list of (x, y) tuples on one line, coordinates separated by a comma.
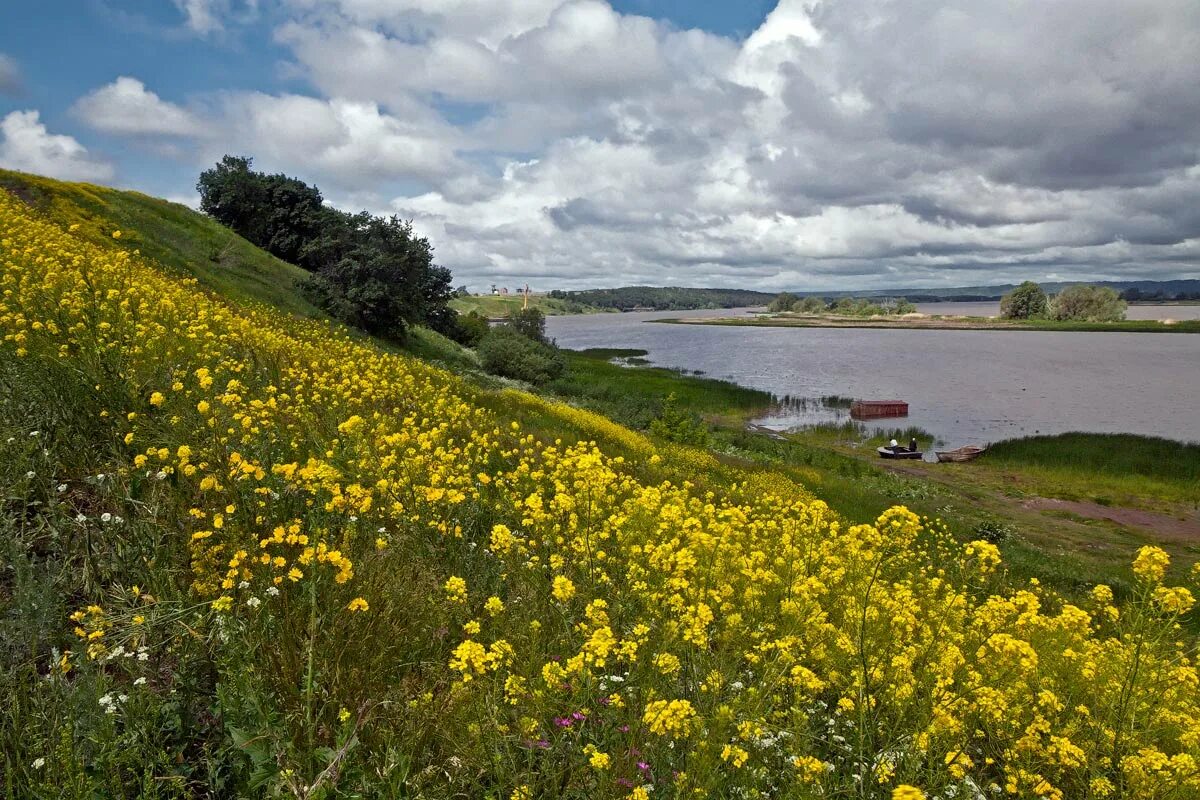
[(871, 142), (207, 17), (839, 145), (26, 145), (352, 144), (125, 106), (10, 75)]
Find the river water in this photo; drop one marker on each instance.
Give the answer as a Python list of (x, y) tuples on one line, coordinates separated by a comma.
[(965, 387)]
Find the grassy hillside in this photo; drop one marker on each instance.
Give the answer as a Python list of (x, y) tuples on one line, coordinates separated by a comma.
[(248, 554), (493, 306), (171, 234)]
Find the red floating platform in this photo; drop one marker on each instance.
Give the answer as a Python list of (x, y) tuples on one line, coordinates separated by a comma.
[(869, 409)]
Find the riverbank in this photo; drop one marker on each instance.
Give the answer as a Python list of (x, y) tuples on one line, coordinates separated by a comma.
[(936, 322), (1068, 510)]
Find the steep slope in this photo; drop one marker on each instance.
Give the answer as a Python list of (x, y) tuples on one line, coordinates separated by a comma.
[(171, 234), (295, 563)]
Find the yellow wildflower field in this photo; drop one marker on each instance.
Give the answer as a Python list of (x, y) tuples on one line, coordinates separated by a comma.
[(399, 590)]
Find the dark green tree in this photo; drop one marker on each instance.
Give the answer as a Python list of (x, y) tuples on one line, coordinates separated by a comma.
[(1027, 301), (372, 272), (275, 212)]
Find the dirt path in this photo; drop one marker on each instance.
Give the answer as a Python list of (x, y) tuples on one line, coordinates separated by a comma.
[(1182, 531)]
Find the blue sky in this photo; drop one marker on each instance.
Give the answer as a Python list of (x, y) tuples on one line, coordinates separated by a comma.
[(584, 142)]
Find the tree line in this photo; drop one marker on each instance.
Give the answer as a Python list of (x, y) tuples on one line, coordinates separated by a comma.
[(1080, 303), (842, 306)]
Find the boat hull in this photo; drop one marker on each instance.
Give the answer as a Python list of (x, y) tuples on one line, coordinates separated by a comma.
[(961, 454), (899, 453)]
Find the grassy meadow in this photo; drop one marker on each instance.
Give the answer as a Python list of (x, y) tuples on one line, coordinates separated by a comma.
[(496, 306), (247, 552)]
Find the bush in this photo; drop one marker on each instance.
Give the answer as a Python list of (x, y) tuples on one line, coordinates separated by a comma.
[(507, 352), (470, 329), (993, 531), (782, 302), (1027, 301), (677, 424), (1083, 303), (529, 322), (809, 305)]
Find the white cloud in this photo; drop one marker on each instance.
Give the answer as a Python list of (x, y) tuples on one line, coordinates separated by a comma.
[(208, 17), (864, 142), (353, 145), (126, 106), (26, 145)]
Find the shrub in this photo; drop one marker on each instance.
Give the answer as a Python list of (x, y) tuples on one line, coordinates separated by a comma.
[(993, 531), (782, 302), (507, 352), (676, 424), (1083, 303), (1027, 301), (470, 329), (529, 322)]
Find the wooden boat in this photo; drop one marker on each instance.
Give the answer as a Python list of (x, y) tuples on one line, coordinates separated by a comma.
[(899, 451), (961, 454), (872, 409)]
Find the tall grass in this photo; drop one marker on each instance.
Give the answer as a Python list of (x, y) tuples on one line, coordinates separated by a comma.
[(1114, 454)]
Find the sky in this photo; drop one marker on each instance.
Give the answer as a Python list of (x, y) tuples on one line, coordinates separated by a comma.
[(806, 144)]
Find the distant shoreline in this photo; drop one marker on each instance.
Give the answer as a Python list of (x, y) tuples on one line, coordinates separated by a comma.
[(924, 322)]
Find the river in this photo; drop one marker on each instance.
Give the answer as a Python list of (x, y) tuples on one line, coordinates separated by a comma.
[(965, 387)]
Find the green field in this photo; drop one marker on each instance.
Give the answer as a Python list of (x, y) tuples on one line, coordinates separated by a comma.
[(496, 306)]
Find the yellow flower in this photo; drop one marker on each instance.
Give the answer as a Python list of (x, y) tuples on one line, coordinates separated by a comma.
[(906, 792), (1174, 599), (1151, 564), (358, 604), (672, 718), (734, 755), (116, 234), (562, 588), (157, 399), (456, 590)]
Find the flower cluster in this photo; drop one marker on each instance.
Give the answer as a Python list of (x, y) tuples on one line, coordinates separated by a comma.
[(622, 614)]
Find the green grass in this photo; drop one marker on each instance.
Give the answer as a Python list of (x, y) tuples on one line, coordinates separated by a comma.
[(172, 234), (493, 306), (433, 346), (1119, 454), (1108, 469)]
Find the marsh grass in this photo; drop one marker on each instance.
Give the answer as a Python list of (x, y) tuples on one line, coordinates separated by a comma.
[(634, 395)]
